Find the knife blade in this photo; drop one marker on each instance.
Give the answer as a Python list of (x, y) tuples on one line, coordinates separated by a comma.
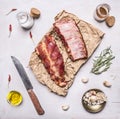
[(28, 85)]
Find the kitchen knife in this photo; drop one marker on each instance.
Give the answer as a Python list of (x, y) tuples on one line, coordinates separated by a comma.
[(28, 85)]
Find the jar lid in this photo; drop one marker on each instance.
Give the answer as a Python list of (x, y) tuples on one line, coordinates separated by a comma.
[(14, 98)]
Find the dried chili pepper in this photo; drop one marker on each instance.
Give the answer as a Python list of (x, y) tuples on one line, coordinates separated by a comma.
[(9, 79), (31, 36), (10, 30), (12, 10)]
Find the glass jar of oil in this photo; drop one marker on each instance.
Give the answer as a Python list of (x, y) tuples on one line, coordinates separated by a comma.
[(14, 98)]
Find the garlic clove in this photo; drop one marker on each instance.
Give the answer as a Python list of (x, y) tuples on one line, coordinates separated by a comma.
[(93, 99), (84, 80), (65, 107), (107, 84)]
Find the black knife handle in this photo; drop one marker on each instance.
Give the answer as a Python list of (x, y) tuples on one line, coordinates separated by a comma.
[(36, 102)]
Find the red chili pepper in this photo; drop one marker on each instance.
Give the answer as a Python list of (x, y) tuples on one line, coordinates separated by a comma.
[(12, 10), (31, 36), (10, 30), (9, 79)]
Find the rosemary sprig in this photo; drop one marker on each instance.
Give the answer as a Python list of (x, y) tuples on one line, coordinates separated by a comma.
[(103, 61)]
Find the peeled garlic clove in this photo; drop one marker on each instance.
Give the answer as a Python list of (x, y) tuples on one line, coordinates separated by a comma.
[(84, 80), (65, 107), (107, 84), (93, 92), (93, 99), (88, 94)]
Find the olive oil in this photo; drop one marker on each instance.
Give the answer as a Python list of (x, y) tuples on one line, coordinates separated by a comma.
[(14, 98)]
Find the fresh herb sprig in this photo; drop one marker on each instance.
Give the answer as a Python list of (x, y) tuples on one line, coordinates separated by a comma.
[(103, 61)]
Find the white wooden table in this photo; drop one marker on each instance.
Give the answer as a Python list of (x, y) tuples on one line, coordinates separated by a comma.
[(21, 46)]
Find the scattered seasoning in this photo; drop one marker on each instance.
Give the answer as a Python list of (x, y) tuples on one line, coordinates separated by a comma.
[(113, 77), (12, 10), (31, 36), (103, 61), (9, 79), (10, 30)]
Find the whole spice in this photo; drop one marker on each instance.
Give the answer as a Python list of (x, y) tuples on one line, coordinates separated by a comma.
[(12, 10), (10, 30), (9, 79), (103, 61)]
